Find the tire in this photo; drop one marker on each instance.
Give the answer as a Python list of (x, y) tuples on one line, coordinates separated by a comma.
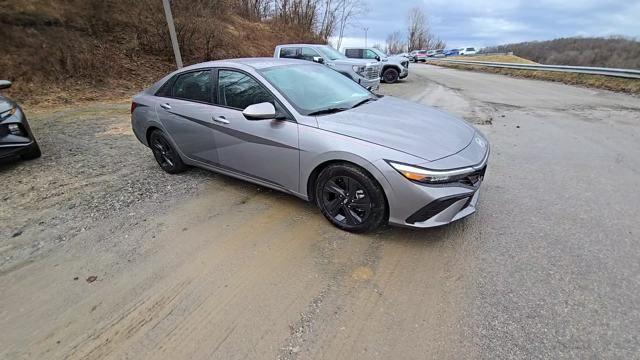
[(33, 152), (350, 198), (164, 153), (390, 75)]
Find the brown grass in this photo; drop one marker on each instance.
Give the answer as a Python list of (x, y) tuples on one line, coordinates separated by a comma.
[(495, 58), (65, 51)]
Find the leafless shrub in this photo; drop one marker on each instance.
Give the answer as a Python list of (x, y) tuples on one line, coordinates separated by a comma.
[(394, 43), (616, 52)]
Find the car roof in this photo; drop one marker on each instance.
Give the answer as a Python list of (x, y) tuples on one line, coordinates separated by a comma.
[(256, 63)]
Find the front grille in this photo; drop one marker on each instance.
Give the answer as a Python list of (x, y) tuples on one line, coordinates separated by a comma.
[(372, 72), (474, 178)]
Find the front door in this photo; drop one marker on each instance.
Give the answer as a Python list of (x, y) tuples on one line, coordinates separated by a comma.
[(263, 149)]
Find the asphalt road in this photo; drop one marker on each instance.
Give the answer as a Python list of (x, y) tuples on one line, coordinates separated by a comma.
[(202, 266)]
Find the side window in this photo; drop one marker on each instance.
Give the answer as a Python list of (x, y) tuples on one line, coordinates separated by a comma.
[(308, 54), (238, 90), (195, 85), (165, 89), (289, 52), (353, 53), (369, 54)]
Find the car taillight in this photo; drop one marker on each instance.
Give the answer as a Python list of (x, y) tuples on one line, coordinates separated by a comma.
[(134, 105)]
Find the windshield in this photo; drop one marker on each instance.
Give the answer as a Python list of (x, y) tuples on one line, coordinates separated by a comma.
[(330, 53), (315, 88), (380, 53)]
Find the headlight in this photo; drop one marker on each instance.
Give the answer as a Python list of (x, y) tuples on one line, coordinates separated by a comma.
[(5, 114), (430, 176), (358, 69)]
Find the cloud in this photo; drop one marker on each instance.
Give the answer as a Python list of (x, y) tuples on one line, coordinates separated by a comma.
[(492, 22)]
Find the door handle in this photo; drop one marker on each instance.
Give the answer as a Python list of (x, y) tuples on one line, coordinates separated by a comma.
[(165, 106), (220, 119)]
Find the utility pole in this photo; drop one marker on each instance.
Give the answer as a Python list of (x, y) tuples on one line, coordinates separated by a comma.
[(366, 29), (172, 33)]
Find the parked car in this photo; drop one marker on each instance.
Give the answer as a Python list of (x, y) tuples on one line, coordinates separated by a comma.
[(421, 55), (393, 67), (365, 73), (16, 138), (468, 51), (452, 52), (306, 130), (435, 53), (412, 55)]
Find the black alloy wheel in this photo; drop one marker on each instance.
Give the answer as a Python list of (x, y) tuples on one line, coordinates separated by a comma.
[(166, 156), (350, 198), (346, 200)]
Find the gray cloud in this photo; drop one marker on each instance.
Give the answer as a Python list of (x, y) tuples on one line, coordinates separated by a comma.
[(493, 22)]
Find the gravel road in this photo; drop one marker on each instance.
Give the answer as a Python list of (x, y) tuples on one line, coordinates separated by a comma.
[(102, 255)]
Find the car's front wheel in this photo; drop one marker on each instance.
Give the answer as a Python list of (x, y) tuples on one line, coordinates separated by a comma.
[(166, 156), (350, 198), (390, 75)]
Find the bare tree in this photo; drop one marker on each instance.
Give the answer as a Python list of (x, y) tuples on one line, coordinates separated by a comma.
[(419, 33), (395, 45), (347, 10)]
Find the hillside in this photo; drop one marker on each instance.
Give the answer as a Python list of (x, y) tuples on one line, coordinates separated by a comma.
[(64, 50), (615, 52)]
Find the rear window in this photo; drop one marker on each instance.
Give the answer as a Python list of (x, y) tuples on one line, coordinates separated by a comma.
[(353, 53), (290, 52)]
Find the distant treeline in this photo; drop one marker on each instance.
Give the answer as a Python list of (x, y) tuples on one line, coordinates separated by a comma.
[(615, 52)]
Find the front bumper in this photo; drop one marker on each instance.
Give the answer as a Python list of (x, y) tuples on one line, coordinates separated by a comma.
[(404, 73), (15, 144), (371, 84), (418, 205)]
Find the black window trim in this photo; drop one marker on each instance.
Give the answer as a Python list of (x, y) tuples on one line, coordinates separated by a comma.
[(288, 115), (213, 79)]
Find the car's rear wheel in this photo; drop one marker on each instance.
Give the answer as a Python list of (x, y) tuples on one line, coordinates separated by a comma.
[(166, 156), (33, 152), (390, 75), (350, 198)]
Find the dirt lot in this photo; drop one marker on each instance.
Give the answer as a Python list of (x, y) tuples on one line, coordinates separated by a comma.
[(102, 255)]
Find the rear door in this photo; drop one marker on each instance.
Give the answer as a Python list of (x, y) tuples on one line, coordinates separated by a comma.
[(266, 150), (185, 110)]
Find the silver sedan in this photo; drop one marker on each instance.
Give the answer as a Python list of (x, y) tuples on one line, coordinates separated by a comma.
[(307, 130)]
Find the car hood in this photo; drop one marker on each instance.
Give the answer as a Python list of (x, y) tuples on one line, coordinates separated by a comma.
[(412, 128)]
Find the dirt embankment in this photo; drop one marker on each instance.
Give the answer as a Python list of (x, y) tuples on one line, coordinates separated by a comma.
[(64, 51)]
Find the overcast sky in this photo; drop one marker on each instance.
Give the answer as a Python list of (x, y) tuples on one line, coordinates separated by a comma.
[(493, 22)]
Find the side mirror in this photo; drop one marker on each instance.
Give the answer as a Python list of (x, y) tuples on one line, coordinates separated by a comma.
[(261, 111), (5, 84), (378, 57), (318, 59)]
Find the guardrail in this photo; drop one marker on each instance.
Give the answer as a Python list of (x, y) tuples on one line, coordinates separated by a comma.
[(624, 73)]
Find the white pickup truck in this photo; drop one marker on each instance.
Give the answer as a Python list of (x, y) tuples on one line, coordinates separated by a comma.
[(393, 67), (365, 73)]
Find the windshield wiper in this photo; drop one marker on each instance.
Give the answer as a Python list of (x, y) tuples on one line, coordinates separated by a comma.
[(363, 102), (330, 110)]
